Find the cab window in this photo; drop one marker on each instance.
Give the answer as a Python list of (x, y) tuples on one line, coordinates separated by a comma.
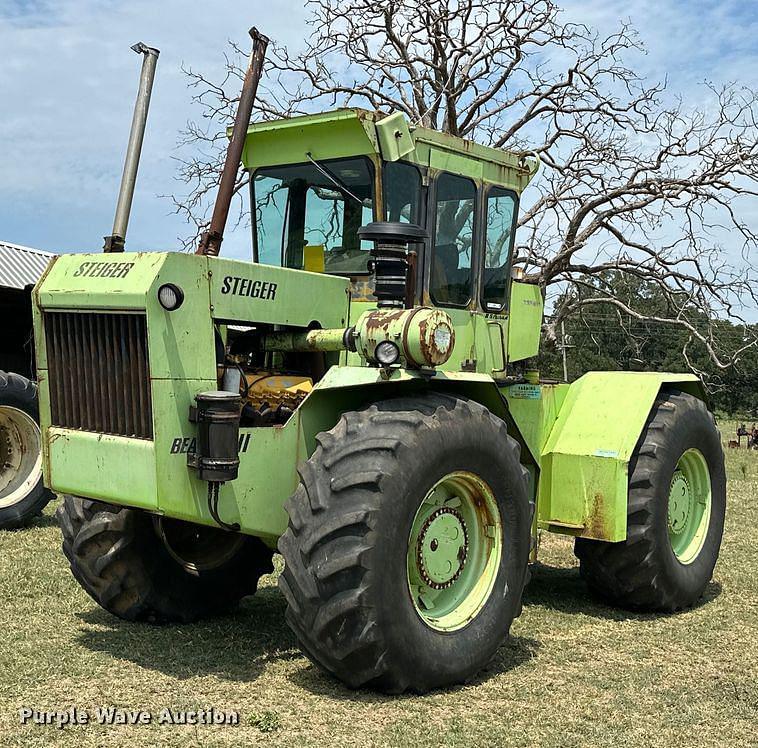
[(455, 211), (318, 205), (498, 243), (402, 192)]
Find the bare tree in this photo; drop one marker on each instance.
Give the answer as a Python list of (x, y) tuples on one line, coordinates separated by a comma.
[(631, 182)]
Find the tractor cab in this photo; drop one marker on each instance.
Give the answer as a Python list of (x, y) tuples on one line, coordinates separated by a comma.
[(315, 180)]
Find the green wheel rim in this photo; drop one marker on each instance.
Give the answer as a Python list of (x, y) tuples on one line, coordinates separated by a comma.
[(689, 506), (454, 551)]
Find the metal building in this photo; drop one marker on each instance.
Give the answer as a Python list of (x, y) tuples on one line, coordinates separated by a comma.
[(20, 268)]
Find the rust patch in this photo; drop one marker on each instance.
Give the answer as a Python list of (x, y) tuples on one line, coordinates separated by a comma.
[(595, 525), (406, 327), (429, 348), (381, 319)]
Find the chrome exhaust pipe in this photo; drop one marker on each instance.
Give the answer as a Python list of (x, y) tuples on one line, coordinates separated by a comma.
[(116, 241)]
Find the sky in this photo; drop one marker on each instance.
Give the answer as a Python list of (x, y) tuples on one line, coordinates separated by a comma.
[(68, 81)]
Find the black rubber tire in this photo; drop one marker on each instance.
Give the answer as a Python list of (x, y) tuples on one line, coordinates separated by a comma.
[(345, 578), (119, 559), (643, 573), (19, 392)]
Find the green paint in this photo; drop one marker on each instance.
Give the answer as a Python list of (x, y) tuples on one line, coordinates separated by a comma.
[(583, 483), (356, 132), (395, 138), (576, 439), (454, 551), (689, 506), (525, 321), (111, 468), (535, 409), (338, 134)]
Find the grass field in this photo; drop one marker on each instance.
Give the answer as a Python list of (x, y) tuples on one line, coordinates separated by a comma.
[(575, 672)]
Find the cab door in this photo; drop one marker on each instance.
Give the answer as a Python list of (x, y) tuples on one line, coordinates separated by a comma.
[(467, 268), (450, 261), (499, 213)]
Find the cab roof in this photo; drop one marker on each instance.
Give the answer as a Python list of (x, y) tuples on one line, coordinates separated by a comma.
[(344, 133)]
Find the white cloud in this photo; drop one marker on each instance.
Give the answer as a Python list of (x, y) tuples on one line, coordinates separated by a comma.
[(686, 42), (68, 81), (68, 84)]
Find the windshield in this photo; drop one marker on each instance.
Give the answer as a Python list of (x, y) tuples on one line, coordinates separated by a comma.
[(307, 216)]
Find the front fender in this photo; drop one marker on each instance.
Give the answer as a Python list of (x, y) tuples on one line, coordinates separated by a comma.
[(351, 387)]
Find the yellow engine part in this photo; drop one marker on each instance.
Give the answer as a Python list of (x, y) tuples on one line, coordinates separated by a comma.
[(273, 390)]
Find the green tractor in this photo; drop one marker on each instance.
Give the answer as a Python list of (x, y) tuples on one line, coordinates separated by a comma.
[(360, 398)]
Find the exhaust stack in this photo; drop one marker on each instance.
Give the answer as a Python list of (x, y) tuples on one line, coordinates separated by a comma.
[(210, 241), (115, 242)]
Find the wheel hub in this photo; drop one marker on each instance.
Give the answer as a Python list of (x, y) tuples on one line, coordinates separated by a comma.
[(442, 548), (195, 547), (20, 455), (689, 506), (680, 503), (454, 551)]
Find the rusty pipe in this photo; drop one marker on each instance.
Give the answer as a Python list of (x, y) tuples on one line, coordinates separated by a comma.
[(210, 241), (310, 340), (115, 242), (422, 336)]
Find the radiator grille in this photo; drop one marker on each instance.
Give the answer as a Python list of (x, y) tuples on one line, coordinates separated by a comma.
[(98, 373)]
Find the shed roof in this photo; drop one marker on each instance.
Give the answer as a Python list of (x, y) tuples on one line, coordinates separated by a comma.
[(21, 266)]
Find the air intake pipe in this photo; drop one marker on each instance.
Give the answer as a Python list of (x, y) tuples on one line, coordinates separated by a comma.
[(417, 338)]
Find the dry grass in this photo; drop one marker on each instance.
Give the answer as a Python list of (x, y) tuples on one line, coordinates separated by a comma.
[(575, 672)]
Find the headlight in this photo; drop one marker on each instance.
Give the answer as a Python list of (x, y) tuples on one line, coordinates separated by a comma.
[(170, 296), (386, 353)]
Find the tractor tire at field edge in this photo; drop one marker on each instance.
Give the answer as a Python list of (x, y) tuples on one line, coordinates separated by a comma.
[(119, 559), (644, 572), (22, 492), (346, 548)]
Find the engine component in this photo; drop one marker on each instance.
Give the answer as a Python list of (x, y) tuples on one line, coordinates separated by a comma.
[(271, 399), (210, 241), (393, 264), (309, 340), (423, 336), (115, 242), (217, 416), (216, 456), (273, 390)]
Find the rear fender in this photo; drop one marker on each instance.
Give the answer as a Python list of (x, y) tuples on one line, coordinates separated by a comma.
[(583, 484)]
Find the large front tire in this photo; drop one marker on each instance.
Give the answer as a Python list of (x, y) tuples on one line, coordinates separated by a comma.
[(140, 568), (22, 493), (675, 517), (407, 546)]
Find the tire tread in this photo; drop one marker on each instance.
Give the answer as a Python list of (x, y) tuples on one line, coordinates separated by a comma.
[(327, 546)]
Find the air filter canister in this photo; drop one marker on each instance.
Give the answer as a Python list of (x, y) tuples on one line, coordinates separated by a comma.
[(393, 264)]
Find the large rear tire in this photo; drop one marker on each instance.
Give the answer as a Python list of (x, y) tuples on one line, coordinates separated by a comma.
[(407, 544), (22, 493), (141, 568), (675, 519)]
